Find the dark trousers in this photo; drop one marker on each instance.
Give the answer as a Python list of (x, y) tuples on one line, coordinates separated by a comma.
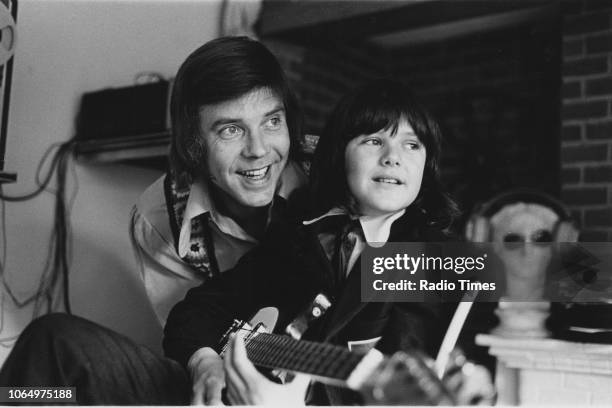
[(105, 367)]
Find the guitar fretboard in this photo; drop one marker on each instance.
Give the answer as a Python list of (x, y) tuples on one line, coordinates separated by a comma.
[(317, 359)]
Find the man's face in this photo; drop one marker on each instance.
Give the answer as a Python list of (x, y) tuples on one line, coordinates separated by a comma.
[(247, 145)]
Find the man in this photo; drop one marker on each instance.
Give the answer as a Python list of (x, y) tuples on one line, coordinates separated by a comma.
[(235, 123), (235, 126)]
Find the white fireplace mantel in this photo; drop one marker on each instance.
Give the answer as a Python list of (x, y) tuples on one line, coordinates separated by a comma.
[(548, 371)]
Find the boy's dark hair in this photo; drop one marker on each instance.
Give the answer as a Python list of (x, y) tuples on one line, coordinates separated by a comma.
[(219, 71), (378, 105)]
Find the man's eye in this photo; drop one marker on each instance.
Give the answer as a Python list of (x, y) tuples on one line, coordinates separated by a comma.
[(230, 132), (274, 122)]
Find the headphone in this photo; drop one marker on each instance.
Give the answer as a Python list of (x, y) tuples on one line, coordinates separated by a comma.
[(478, 227)]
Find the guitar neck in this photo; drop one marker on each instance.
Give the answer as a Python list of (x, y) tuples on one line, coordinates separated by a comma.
[(326, 362)]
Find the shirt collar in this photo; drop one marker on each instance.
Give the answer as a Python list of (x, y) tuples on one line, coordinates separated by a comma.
[(334, 211), (375, 228), (200, 202)]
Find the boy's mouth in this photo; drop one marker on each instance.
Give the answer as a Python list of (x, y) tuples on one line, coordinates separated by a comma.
[(255, 174), (387, 180)]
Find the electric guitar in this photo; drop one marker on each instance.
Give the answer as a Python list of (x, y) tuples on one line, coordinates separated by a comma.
[(402, 379)]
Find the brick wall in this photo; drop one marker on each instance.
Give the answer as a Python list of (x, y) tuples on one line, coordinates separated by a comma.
[(527, 106), (496, 95), (321, 75), (586, 115)]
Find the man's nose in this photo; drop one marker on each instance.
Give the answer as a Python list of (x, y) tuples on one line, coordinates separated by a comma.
[(256, 145)]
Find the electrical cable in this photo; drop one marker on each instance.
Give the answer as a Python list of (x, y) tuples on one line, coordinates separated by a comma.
[(4, 342), (53, 288), (63, 149)]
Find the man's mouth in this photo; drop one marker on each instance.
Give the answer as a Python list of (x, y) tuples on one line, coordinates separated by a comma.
[(255, 174), (387, 180)]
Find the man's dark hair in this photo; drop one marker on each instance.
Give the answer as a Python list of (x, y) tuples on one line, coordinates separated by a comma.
[(378, 105), (219, 71)]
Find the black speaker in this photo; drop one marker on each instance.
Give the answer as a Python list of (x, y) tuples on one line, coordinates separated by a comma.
[(121, 112)]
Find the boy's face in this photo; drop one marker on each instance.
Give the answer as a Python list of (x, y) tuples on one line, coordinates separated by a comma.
[(384, 171), (247, 145)]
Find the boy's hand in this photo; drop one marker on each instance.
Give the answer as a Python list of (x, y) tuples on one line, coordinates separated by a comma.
[(470, 383), (246, 386), (207, 377)]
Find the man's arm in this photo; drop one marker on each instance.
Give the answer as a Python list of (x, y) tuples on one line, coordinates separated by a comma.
[(207, 311), (197, 323), (266, 276)]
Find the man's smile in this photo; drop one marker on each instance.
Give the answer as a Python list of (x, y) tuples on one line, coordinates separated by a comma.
[(255, 174)]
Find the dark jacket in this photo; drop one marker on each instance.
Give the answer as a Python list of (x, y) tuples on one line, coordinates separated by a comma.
[(287, 271)]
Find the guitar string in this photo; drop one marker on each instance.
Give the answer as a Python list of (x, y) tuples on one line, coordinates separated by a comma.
[(291, 354), (325, 360), (328, 360)]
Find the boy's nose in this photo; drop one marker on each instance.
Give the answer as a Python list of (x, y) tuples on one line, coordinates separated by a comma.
[(390, 158)]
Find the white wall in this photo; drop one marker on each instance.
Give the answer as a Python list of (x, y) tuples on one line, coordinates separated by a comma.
[(65, 48)]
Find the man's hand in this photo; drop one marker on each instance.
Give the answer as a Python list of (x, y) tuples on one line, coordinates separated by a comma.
[(207, 377), (246, 386)]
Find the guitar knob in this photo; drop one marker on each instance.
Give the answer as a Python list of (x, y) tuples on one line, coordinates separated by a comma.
[(313, 311)]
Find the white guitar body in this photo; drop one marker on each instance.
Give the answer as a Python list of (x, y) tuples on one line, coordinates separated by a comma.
[(404, 378)]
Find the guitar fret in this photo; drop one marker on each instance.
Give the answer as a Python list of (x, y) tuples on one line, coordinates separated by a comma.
[(284, 357), (276, 356), (255, 351), (315, 354), (327, 362), (315, 362)]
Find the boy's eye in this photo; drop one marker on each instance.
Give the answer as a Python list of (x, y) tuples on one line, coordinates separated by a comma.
[(230, 132), (372, 142), (412, 145)]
